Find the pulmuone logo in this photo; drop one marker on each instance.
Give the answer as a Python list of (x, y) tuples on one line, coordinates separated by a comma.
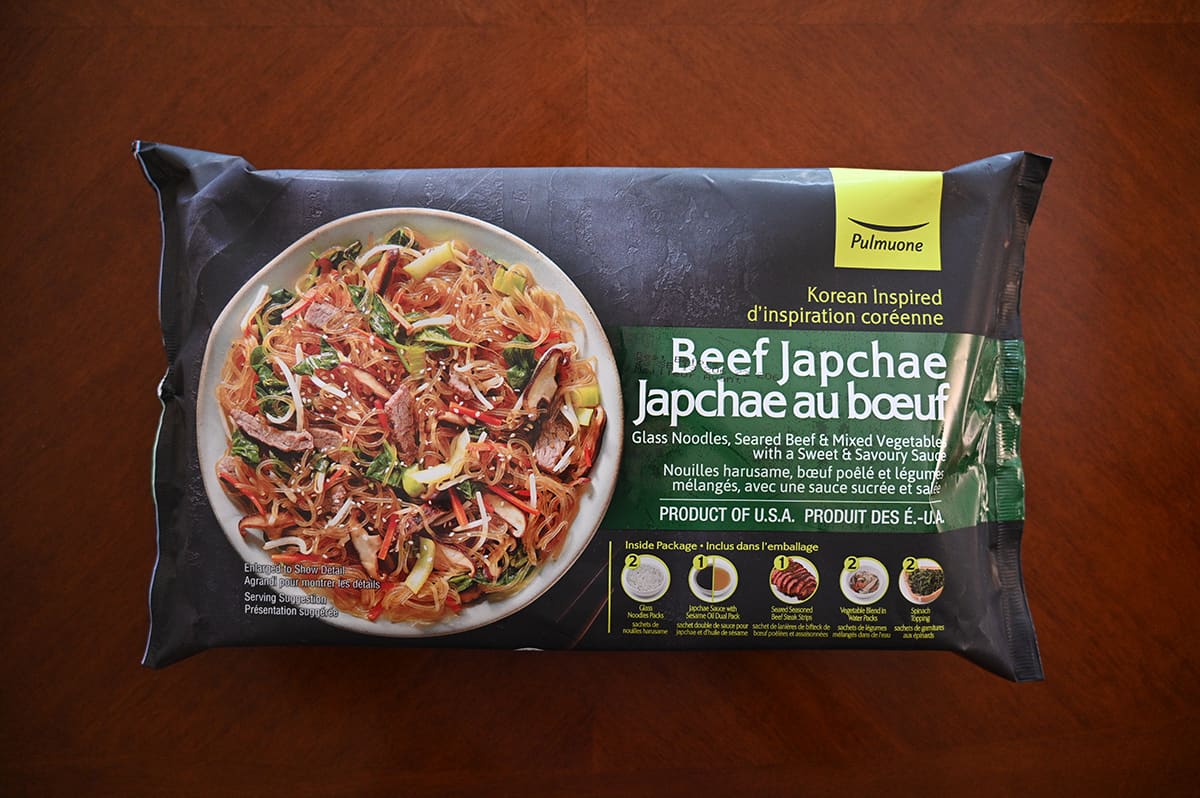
[(878, 243), (887, 219)]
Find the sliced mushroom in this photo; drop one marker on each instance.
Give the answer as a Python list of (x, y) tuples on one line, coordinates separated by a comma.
[(271, 529), (367, 379), (382, 276), (448, 557), (544, 382), (367, 547), (511, 515)]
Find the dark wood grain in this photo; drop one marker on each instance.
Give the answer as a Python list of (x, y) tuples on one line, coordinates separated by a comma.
[(1110, 444)]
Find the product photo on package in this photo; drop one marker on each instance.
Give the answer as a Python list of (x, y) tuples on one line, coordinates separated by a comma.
[(592, 408)]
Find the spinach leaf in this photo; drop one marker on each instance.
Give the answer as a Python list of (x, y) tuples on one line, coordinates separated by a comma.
[(245, 448), (383, 468), (467, 488), (371, 306), (340, 256), (926, 581), (269, 388), (402, 237), (326, 359), (433, 338), (266, 375), (521, 362), (380, 320), (272, 312), (512, 574), (281, 467)]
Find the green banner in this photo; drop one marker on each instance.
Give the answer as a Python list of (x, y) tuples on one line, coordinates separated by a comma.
[(731, 429)]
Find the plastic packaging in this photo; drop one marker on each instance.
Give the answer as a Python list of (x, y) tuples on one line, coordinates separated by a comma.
[(592, 408)]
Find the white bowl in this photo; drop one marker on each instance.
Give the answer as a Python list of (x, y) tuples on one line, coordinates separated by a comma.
[(875, 567), (784, 597), (906, 591), (715, 598), (286, 268), (654, 564)]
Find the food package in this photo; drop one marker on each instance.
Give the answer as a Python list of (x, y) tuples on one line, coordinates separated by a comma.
[(592, 408)]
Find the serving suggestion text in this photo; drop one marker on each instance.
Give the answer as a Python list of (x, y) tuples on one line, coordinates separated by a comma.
[(816, 369)]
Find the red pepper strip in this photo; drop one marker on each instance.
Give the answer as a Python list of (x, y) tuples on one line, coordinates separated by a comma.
[(523, 493), (295, 309), (589, 448), (453, 603), (460, 512), (389, 535), (553, 338), (244, 491), (383, 419), (377, 610), (324, 264), (486, 418), (511, 499)]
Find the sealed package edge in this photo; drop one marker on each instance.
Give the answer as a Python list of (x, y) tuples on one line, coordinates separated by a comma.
[(593, 408)]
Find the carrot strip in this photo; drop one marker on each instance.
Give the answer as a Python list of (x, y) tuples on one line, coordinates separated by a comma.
[(513, 500), (389, 535), (460, 512), (297, 308), (478, 415), (244, 491)]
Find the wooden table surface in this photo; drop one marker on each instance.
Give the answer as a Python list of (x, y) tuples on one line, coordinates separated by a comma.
[(1111, 90)]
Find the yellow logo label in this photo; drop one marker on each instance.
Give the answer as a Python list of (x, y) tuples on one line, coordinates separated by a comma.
[(888, 220)]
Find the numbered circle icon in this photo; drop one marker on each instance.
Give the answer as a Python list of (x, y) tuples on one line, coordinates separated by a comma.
[(645, 578), (713, 578), (794, 579), (922, 580), (864, 580)]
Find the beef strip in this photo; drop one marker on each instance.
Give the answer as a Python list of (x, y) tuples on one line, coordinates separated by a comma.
[(481, 263), (404, 426), (795, 580), (552, 441), (284, 440), (319, 314), (325, 439)]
